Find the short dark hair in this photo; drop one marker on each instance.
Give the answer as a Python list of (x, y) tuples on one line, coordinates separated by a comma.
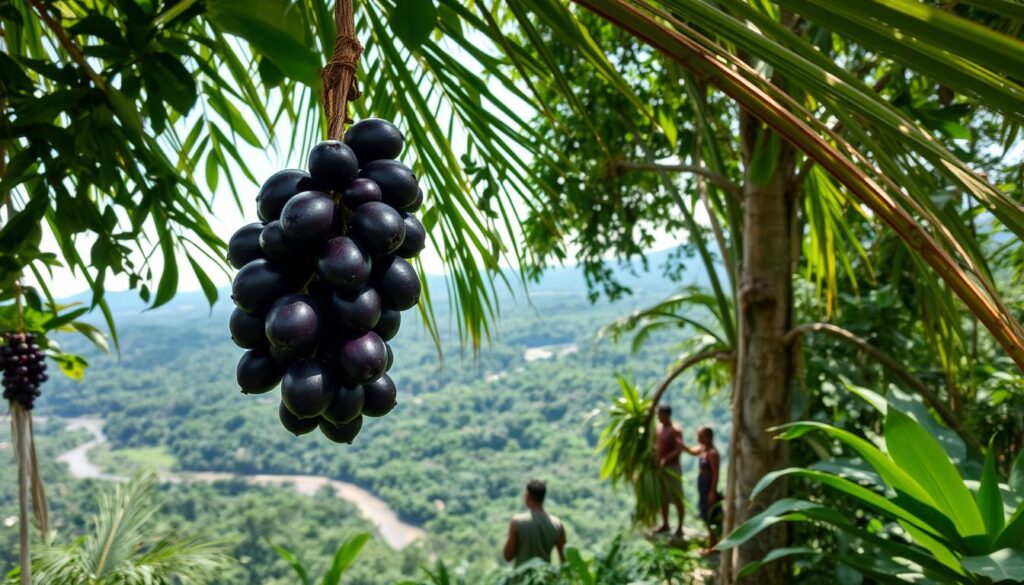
[(666, 408), (537, 490), (708, 430)]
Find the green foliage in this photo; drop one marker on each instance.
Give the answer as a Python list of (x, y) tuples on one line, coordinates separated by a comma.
[(125, 549), (453, 460), (624, 560), (628, 445), (344, 556), (934, 521)]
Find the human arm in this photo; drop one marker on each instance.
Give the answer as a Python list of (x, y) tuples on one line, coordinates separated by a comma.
[(713, 460), (560, 543), (510, 544), (695, 451)]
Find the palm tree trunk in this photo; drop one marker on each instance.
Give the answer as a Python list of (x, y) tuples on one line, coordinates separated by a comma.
[(764, 364)]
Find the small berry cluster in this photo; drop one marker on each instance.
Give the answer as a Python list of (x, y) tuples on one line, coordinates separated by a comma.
[(24, 367)]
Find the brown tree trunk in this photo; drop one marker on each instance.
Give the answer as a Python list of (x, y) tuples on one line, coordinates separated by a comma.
[(764, 365)]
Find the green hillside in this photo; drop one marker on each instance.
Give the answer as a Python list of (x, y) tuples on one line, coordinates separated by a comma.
[(452, 458)]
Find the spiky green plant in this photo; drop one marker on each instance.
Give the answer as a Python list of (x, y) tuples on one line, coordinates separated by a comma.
[(124, 548)]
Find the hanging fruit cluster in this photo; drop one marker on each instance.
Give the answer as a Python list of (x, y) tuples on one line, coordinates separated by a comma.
[(323, 278), (24, 368)]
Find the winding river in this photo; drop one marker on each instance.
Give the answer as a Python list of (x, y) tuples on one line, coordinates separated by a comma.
[(395, 533)]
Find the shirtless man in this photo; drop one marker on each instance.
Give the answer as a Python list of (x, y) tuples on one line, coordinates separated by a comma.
[(668, 444)]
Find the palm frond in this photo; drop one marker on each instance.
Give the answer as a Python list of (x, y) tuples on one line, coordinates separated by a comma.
[(123, 548)]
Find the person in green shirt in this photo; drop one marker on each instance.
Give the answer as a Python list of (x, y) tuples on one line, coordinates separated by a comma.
[(532, 534)]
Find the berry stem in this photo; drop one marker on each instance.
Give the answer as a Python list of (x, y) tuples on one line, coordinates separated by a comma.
[(19, 306), (339, 74)]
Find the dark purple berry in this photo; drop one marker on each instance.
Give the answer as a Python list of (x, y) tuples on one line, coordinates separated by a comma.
[(372, 139)]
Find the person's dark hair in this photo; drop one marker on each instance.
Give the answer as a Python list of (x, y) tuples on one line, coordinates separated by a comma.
[(666, 408), (709, 431), (537, 490)]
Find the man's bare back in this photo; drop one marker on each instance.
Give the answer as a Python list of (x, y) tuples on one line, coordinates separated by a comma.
[(668, 444)]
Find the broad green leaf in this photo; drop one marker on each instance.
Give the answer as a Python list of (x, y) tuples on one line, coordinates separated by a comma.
[(126, 111), (1016, 479), (59, 321), (16, 231), (772, 515), (894, 475), (774, 555), (275, 29), (412, 21), (990, 502), (93, 334), (921, 456), (668, 127), (294, 563), (859, 493), (72, 366), (168, 285), (177, 86), (1013, 533), (99, 26), (579, 566), (209, 288), (270, 74), (1002, 565), (344, 557)]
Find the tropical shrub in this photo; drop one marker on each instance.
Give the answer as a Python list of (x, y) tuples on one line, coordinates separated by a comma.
[(927, 519), (623, 561), (124, 549), (344, 556)]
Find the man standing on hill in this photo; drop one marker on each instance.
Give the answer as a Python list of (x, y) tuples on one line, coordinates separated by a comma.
[(668, 445), (532, 534)]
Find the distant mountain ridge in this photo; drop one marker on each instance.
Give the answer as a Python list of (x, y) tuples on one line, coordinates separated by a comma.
[(566, 280)]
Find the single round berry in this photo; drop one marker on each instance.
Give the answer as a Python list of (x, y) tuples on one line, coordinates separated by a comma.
[(244, 245), (345, 433), (307, 387), (344, 264), (308, 216), (295, 425), (345, 406), (388, 324), (278, 189), (378, 227), (257, 372), (380, 396), (374, 139), (293, 323), (361, 358), (416, 203), (333, 165), (358, 312), (398, 184), (247, 329), (259, 283), (278, 246), (361, 191), (397, 283), (415, 237)]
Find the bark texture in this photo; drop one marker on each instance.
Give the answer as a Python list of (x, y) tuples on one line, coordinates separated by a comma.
[(765, 365)]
